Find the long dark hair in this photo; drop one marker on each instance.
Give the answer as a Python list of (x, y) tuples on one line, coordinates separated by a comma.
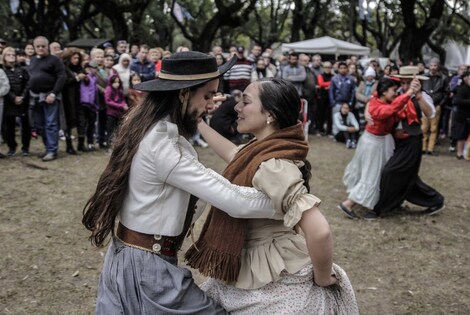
[(116, 95), (67, 58), (384, 84), (99, 213), (281, 99)]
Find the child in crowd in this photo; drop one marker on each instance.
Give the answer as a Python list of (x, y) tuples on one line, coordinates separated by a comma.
[(345, 126), (87, 110), (134, 96), (116, 104)]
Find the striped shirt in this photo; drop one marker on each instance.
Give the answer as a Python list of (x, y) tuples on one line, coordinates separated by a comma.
[(239, 76)]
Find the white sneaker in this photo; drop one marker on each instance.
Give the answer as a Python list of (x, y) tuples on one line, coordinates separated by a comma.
[(451, 149), (201, 143), (348, 144)]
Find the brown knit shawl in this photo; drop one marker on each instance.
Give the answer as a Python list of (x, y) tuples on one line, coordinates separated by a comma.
[(217, 252)]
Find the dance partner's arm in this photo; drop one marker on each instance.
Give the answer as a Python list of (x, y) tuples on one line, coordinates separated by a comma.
[(189, 175), (426, 104), (222, 146), (320, 245)]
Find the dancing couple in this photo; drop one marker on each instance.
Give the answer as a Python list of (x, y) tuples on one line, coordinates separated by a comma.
[(384, 170), (265, 244)]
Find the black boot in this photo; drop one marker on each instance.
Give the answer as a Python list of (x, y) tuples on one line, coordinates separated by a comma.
[(68, 142), (81, 144)]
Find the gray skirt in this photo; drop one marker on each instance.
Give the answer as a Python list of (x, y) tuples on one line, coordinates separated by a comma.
[(134, 281), (363, 173)]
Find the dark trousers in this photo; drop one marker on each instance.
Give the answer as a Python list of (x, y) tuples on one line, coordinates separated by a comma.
[(343, 136), (86, 123), (112, 124), (311, 113), (453, 125), (400, 180), (10, 126), (102, 126), (445, 120), (324, 113)]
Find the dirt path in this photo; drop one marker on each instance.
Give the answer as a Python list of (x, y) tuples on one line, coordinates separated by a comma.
[(404, 264)]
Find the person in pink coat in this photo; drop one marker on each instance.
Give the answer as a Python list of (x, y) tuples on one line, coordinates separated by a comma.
[(116, 104)]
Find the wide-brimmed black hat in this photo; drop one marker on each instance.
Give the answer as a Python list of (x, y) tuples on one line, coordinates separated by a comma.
[(186, 69)]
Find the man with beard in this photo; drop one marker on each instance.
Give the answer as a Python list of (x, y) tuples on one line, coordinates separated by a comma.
[(437, 87), (294, 73), (151, 185)]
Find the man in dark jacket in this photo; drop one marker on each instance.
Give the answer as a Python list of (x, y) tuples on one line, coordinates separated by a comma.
[(47, 77), (309, 90), (142, 66), (437, 88), (341, 88)]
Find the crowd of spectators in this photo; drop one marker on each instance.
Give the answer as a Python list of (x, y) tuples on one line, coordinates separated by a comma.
[(48, 90)]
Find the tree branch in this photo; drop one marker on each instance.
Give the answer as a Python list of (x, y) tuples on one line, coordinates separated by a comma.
[(180, 25)]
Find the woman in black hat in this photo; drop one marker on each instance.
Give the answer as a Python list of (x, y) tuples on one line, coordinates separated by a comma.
[(151, 185)]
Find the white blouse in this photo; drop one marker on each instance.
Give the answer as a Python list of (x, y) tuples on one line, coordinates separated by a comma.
[(165, 172)]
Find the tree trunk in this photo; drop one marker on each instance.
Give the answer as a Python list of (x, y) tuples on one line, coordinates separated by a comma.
[(297, 20), (414, 38), (410, 47)]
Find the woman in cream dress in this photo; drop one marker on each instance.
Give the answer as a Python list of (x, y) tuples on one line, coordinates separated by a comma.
[(271, 266)]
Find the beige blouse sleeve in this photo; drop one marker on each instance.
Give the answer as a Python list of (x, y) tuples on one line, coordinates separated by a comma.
[(282, 181)]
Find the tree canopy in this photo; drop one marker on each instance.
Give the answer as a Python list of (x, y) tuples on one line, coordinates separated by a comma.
[(380, 24)]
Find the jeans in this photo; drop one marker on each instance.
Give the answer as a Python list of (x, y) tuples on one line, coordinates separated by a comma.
[(343, 136), (46, 119)]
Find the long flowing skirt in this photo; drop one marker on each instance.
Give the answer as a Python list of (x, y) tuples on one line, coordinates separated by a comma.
[(292, 294), (134, 281), (362, 175)]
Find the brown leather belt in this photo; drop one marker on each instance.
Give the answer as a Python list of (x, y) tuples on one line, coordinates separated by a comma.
[(156, 244)]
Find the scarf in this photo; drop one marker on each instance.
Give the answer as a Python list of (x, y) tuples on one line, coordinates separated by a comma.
[(408, 113), (217, 252), (368, 88)]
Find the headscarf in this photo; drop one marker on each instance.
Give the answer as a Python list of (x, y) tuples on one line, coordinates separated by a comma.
[(123, 72)]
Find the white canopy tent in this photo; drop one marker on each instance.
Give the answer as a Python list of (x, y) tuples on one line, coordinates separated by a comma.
[(326, 45)]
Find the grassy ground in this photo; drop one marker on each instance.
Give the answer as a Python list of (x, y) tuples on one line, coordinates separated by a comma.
[(401, 264)]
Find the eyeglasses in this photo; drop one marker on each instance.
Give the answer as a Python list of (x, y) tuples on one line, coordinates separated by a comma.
[(40, 46)]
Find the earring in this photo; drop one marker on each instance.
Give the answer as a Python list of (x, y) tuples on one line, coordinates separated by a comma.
[(268, 121)]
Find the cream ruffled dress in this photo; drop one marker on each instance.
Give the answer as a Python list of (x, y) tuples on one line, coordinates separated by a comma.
[(276, 275)]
